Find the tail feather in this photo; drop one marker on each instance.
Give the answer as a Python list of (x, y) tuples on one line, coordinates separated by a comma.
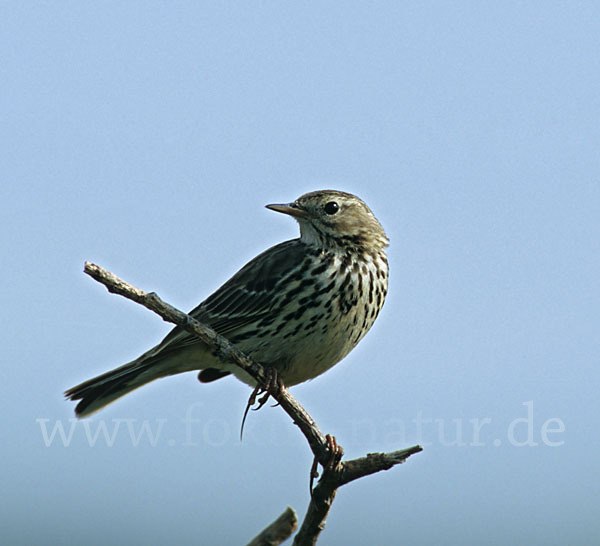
[(110, 386)]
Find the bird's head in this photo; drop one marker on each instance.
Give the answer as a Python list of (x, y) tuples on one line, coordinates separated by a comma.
[(335, 219)]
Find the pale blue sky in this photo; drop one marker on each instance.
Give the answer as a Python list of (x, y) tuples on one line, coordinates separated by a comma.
[(148, 136)]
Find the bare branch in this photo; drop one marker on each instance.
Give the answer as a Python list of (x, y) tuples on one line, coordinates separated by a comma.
[(374, 462), (281, 529)]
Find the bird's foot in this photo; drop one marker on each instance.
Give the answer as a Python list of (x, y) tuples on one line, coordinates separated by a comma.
[(272, 386)]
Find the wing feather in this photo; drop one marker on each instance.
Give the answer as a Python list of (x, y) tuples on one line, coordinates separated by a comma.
[(245, 298)]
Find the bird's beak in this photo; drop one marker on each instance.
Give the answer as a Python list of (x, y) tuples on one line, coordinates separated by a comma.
[(290, 208)]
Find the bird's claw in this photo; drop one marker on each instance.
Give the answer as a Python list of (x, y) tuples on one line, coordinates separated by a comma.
[(272, 386), (335, 454)]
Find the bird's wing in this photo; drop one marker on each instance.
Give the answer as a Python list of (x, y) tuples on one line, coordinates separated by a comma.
[(245, 298)]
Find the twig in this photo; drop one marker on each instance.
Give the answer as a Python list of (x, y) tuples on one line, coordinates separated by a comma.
[(374, 462), (281, 529)]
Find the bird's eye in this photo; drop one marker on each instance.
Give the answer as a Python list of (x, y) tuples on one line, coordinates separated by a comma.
[(332, 207)]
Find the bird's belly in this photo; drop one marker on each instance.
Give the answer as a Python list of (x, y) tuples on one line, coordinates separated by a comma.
[(308, 352)]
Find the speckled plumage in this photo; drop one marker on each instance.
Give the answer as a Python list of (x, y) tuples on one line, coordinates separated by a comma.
[(299, 307)]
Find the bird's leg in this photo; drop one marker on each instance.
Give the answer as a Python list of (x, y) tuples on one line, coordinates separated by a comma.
[(273, 384), (336, 452)]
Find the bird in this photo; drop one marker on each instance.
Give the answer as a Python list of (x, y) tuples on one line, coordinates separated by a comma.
[(299, 307)]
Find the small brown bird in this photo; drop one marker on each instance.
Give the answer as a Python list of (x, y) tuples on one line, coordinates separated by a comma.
[(299, 307)]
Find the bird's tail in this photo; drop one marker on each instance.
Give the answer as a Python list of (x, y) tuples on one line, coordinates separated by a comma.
[(100, 391)]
